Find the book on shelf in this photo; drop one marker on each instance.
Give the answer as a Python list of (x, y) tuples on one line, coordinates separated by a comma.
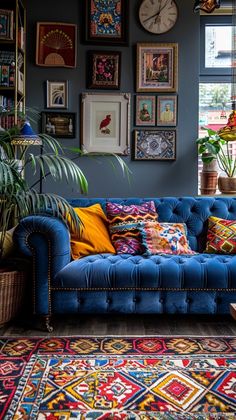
[(21, 38)]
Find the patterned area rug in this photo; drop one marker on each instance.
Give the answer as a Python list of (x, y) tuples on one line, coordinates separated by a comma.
[(117, 378)]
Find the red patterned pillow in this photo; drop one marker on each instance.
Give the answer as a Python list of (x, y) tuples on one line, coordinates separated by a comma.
[(221, 236), (123, 225)]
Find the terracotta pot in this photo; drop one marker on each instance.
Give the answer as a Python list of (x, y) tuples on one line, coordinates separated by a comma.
[(227, 185), (208, 182)]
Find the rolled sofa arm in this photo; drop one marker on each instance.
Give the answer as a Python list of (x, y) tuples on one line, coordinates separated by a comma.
[(47, 241)]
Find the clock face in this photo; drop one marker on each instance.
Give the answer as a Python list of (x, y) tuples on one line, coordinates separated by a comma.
[(158, 16)]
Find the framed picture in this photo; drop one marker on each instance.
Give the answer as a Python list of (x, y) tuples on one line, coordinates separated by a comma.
[(106, 123), (167, 110), (6, 24), (104, 70), (59, 124), (157, 67), (56, 44), (57, 94), (106, 22), (145, 110), (154, 144)]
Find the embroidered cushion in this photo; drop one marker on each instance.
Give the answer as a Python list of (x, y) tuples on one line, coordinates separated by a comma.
[(94, 237), (221, 236), (123, 225), (165, 238)]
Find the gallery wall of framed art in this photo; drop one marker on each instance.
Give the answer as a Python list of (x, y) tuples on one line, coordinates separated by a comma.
[(111, 51)]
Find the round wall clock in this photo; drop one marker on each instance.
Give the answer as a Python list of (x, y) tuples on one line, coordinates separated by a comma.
[(158, 16)]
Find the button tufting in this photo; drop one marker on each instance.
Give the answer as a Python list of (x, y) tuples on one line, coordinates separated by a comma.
[(161, 300), (188, 300), (108, 300)]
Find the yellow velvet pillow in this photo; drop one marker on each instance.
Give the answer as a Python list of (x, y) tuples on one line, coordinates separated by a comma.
[(94, 237)]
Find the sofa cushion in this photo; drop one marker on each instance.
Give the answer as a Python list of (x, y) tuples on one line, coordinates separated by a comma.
[(105, 271), (94, 237), (165, 238), (221, 236), (123, 225)]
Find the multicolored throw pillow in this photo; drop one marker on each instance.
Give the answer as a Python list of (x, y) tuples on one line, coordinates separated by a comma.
[(123, 225), (221, 236), (165, 238)]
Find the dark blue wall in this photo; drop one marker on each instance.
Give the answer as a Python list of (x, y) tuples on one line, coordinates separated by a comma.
[(148, 178)]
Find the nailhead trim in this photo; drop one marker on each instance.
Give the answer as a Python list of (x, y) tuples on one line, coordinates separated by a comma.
[(165, 289)]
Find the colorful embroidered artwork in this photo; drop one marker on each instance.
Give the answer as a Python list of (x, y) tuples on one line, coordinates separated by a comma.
[(221, 236), (118, 378), (123, 225), (106, 18), (165, 238)]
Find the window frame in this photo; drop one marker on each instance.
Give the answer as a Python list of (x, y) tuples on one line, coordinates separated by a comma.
[(215, 74)]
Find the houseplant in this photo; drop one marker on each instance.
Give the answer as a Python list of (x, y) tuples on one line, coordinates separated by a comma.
[(216, 147)]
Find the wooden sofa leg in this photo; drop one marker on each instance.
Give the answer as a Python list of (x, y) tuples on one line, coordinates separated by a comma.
[(46, 323)]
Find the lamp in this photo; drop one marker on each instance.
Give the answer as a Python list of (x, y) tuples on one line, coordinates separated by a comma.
[(207, 6), (26, 137)]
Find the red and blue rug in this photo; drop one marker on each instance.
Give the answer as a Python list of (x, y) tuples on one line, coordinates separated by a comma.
[(117, 378)]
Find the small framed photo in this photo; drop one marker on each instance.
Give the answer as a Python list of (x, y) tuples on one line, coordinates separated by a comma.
[(57, 94), (106, 123), (154, 144), (59, 124), (104, 70), (6, 24), (106, 22), (56, 44), (145, 110), (157, 67), (167, 110)]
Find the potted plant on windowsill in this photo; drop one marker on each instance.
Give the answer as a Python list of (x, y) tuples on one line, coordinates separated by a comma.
[(218, 147)]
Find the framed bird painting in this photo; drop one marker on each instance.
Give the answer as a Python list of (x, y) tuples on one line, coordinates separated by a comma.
[(106, 123)]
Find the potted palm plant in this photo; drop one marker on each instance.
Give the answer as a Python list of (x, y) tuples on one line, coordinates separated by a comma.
[(19, 199)]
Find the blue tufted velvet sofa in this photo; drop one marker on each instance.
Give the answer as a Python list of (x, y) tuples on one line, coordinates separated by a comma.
[(106, 283)]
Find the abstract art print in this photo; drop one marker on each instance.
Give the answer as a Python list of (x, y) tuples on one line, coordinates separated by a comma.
[(157, 67), (145, 110), (107, 21), (167, 110), (56, 44), (57, 94), (106, 123), (155, 144), (104, 70)]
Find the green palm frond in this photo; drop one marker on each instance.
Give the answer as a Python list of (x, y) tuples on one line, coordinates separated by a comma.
[(11, 180)]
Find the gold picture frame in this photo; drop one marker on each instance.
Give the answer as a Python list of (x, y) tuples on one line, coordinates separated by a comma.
[(157, 67)]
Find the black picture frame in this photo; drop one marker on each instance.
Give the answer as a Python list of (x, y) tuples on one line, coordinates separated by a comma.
[(102, 63), (104, 37), (59, 124)]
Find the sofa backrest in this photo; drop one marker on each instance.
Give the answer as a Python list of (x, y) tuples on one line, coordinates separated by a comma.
[(194, 211)]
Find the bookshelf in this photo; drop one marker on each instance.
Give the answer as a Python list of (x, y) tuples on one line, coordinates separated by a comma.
[(12, 61)]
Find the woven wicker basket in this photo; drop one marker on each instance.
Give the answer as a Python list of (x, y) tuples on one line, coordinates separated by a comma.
[(12, 285)]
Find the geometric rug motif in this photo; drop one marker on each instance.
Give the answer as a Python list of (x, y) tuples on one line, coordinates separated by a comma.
[(118, 378)]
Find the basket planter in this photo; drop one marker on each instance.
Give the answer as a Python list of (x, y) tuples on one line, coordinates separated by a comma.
[(12, 286)]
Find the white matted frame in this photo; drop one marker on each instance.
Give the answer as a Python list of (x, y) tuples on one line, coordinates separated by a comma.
[(106, 123), (57, 94)]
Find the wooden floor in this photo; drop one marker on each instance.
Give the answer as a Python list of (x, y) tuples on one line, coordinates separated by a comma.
[(126, 325)]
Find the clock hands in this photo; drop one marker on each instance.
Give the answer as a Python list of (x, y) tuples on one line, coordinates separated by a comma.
[(156, 14)]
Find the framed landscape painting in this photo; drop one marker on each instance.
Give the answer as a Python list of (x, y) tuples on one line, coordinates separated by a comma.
[(57, 94), (154, 144), (104, 69), (157, 67), (145, 110), (106, 22), (106, 123)]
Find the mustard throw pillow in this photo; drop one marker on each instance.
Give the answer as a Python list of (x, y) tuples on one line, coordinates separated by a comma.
[(8, 245), (94, 237)]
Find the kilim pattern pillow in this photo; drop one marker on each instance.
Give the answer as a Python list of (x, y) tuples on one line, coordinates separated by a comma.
[(221, 236), (123, 225), (165, 238)]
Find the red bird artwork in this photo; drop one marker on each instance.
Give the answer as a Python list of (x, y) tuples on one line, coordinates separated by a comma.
[(104, 124)]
